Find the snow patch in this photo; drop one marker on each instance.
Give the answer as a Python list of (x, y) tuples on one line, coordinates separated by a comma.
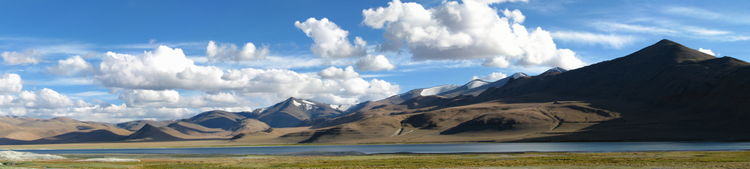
[(518, 75), (111, 160), (307, 105), (437, 90), (296, 103), (307, 102), (342, 107), (475, 84), (24, 156)]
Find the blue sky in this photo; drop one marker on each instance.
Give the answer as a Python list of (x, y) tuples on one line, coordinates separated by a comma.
[(37, 37)]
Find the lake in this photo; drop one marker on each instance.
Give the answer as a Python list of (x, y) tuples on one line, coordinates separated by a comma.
[(431, 148)]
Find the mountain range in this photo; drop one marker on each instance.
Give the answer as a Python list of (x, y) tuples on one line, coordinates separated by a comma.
[(664, 92)]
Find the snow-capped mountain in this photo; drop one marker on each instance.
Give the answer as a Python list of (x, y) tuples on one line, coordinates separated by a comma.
[(555, 70), (294, 112), (473, 84), (479, 89), (437, 90)]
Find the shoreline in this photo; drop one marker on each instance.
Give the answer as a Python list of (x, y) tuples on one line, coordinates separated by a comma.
[(224, 143), (671, 159), (428, 148)]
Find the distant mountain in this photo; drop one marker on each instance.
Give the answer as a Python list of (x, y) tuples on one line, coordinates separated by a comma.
[(464, 89), (33, 130), (153, 133), (137, 124), (218, 119), (295, 112), (194, 129), (252, 126), (555, 70), (499, 83), (664, 92)]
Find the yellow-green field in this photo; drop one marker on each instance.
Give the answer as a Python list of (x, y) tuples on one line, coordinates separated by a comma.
[(704, 159)]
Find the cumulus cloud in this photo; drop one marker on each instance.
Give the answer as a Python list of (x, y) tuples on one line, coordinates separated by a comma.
[(230, 52), (496, 62), (46, 103), (611, 40), (71, 66), (10, 83), (374, 63), (44, 98), (494, 76), (169, 69), (501, 1), (707, 51), (150, 85), (330, 40), (338, 73), (468, 30), (22, 58), (149, 97)]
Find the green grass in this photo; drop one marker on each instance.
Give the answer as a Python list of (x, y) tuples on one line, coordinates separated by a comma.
[(704, 159)]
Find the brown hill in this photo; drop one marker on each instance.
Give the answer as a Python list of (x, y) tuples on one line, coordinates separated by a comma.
[(217, 119), (196, 129), (152, 133), (32, 130), (137, 124)]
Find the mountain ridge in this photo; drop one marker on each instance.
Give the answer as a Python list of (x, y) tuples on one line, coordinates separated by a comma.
[(663, 92)]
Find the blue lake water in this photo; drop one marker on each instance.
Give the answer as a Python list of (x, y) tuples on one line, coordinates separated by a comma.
[(431, 148)]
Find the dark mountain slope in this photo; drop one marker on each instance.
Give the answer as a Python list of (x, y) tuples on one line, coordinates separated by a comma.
[(636, 77), (664, 92), (137, 124), (217, 119), (152, 133)]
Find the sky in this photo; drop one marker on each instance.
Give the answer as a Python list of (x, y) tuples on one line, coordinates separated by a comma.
[(115, 61)]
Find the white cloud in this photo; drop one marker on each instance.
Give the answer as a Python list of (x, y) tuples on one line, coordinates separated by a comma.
[(669, 28), (611, 40), (468, 30), (10, 83), (230, 52), (46, 103), (496, 62), (71, 66), (374, 63), (693, 12), (614, 26), (44, 98), (338, 73), (705, 31), (707, 51), (65, 81), (501, 1), (16, 58), (6, 100), (330, 40), (137, 98), (515, 15), (169, 69), (494, 76), (90, 94)]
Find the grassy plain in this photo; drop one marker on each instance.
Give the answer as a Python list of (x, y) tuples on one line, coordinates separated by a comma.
[(697, 159)]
